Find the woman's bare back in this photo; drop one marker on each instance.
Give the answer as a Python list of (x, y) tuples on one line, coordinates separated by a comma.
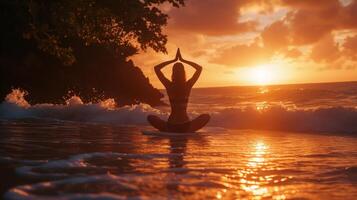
[(178, 96)]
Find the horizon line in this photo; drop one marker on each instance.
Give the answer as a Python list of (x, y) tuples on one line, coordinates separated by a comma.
[(267, 85)]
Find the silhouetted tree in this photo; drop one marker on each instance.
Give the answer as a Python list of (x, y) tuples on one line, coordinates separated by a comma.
[(50, 47)]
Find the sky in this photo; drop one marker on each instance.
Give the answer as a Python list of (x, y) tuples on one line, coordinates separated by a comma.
[(261, 42)]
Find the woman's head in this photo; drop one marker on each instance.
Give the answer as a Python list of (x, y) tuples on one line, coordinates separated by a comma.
[(178, 73)]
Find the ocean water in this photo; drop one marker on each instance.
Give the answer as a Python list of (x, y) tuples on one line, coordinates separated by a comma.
[(273, 142)]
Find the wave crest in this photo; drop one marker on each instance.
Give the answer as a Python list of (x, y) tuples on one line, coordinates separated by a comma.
[(334, 119), (15, 106)]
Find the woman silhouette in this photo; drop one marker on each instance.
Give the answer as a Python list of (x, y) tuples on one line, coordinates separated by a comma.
[(178, 90)]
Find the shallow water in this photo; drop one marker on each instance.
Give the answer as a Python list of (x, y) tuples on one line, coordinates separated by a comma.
[(73, 160)]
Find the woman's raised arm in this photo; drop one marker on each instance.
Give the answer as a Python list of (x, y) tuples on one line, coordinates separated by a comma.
[(159, 73), (197, 67)]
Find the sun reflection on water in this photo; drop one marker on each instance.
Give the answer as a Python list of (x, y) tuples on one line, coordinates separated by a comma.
[(257, 178), (251, 181), (263, 90), (260, 106)]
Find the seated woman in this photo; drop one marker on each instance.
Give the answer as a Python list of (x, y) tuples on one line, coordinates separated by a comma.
[(178, 90)]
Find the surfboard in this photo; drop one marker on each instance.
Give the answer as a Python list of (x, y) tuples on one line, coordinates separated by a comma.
[(159, 133)]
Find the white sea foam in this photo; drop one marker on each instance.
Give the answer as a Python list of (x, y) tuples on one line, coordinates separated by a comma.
[(30, 192), (15, 106), (77, 165)]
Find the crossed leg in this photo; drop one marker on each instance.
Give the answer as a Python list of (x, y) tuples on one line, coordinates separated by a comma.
[(191, 126), (157, 123), (199, 122)]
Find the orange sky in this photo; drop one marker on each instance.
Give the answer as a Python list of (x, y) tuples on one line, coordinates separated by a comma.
[(249, 42)]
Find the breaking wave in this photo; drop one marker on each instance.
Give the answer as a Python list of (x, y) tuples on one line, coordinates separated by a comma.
[(332, 119), (15, 106)]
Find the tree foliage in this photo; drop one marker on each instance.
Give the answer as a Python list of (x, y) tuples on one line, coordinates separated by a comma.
[(121, 26)]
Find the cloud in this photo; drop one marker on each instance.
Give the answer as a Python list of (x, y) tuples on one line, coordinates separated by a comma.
[(308, 25), (349, 15), (310, 20), (211, 17), (293, 53), (310, 5), (350, 47), (276, 36), (311, 23), (242, 55), (326, 50)]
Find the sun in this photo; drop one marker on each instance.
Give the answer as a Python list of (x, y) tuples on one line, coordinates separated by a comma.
[(260, 75)]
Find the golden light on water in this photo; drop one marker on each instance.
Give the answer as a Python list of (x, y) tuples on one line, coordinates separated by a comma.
[(263, 90), (251, 181), (260, 106), (256, 178)]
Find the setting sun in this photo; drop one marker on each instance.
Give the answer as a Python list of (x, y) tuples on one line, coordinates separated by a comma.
[(261, 75)]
